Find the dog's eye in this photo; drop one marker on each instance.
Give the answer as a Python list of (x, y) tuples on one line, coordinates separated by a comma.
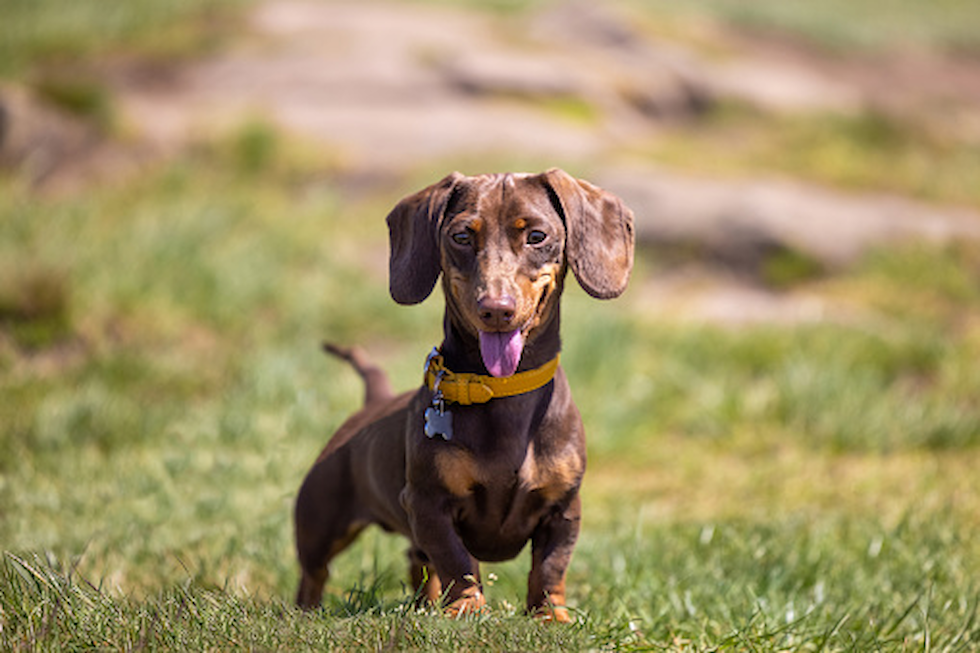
[(536, 237), (462, 238)]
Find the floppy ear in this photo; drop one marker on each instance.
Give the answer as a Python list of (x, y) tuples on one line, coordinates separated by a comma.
[(413, 231), (599, 231)]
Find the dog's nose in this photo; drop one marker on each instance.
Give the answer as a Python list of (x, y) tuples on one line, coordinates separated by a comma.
[(497, 312)]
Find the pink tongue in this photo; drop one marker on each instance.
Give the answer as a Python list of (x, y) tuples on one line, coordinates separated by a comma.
[(501, 351)]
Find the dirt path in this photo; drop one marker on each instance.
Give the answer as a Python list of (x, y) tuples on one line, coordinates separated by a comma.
[(388, 87), (391, 83)]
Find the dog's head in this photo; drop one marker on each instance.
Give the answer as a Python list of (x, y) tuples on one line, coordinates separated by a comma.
[(503, 244)]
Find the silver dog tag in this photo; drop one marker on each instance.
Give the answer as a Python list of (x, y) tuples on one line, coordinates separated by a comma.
[(438, 421)]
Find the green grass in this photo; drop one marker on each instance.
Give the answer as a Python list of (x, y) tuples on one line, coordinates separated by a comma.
[(162, 394), (788, 585), (53, 33), (867, 151), (766, 488), (56, 34), (841, 24)]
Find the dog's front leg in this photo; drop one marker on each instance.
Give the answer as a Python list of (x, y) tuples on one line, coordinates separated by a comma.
[(433, 533), (551, 551)]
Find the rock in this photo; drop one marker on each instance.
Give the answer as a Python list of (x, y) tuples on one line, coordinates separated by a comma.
[(510, 74), (779, 86), (36, 139), (738, 220)]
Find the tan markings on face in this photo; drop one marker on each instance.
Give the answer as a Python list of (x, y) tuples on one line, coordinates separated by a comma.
[(460, 293), (458, 284), (539, 291), (457, 470), (519, 224), (553, 477)]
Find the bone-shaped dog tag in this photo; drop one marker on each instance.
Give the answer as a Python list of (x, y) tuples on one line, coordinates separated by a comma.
[(438, 421)]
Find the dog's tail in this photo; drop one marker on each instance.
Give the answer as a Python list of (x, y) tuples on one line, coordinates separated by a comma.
[(377, 387)]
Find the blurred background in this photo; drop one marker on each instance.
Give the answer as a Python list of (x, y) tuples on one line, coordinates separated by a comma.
[(192, 197)]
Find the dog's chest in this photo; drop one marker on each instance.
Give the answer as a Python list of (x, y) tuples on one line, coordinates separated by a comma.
[(498, 505), (503, 489), (552, 475)]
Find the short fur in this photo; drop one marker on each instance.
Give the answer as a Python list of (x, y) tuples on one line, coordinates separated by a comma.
[(511, 472)]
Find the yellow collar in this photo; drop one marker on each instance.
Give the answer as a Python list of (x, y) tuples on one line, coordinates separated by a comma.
[(468, 388)]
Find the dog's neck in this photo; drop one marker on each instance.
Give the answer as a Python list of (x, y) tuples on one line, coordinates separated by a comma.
[(461, 349)]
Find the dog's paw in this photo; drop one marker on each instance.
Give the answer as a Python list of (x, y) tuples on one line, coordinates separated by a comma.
[(553, 613), (472, 602)]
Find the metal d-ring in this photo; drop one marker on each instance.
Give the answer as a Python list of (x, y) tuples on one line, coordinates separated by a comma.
[(437, 397)]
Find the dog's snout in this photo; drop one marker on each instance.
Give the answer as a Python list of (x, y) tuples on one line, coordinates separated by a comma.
[(497, 311)]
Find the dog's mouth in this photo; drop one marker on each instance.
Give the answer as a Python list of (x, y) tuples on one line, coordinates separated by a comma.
[(501, 351)]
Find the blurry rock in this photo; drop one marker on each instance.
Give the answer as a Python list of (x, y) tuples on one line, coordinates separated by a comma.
[(738, 221), (36, 139), (506, 73), (657, 80), (779, 86), (586, 24), (662, 95)]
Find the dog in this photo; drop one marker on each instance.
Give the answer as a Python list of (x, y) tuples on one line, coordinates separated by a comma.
[(490, 452)]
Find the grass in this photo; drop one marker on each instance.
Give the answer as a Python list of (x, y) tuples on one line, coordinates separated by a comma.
[(767, 488), (866, 151), (50, 34), (53, 34), (949, 25), (800, 487), (841, 25), (732, 585)]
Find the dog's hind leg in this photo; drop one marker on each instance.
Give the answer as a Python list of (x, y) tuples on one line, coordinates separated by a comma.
[(377, 387), (325, 526), (315, 563), (310, 591)]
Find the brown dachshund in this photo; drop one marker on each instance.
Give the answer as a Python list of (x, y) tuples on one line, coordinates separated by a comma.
[(490, 452)]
